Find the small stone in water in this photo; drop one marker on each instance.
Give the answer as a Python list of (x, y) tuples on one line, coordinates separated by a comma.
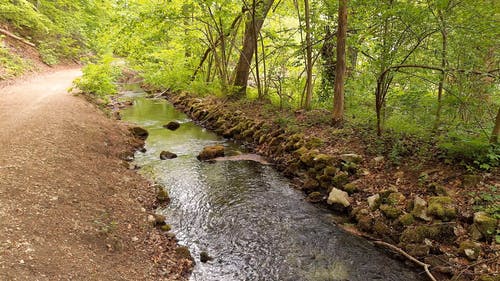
[(204, 257)]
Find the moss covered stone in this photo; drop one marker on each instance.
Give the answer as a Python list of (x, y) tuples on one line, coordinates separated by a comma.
[(340, 179), (166, 227), (374, 201), (419, 209), (390, 212), (211, 152), (406, 219), (351, 188), (183, 253), (442, 207), (381, 228), (330, 171), (315, 197), (395, 198), (417, 234), (469, 249), (162, 195), (485, 224)]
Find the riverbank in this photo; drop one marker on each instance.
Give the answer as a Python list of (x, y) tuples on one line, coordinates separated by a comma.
[(430, 210), (70, 207)]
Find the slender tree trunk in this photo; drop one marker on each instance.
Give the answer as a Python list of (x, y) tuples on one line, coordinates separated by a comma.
[(495, 135), (338, 98), (309, 80), (444, 37), (252, 28)]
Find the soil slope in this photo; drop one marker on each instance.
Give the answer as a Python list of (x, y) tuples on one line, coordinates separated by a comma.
[(69, 209)]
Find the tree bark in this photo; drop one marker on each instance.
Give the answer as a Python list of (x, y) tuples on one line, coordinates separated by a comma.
[(444, 37), (495, 135), (338, 98), (252, 28), (7, 33), (309, 80)]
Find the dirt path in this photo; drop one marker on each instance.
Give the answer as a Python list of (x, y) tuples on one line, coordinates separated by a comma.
[(69, 209)]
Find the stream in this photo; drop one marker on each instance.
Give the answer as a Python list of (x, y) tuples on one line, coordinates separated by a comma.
[(245, 214)]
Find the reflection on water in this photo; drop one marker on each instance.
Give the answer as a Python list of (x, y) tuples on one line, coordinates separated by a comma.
[(246, 215)]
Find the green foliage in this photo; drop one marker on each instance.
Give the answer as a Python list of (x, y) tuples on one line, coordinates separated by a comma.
[(474, 153), (11, 65), (99, 79), (488, 201)]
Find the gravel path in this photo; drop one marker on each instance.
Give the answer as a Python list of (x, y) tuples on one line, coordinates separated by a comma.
[(69, 209)]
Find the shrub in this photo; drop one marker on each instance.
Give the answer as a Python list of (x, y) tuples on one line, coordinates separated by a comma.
[(100, 78)]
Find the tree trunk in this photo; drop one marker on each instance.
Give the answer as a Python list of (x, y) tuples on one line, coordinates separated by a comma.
[(252, 28), (444, 37), (338, 98), (495, 135), (309, 80)]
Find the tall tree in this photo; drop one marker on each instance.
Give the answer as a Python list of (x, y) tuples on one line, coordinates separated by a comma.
[(495, 135), (255, 20), (309, 62), (338, 98)]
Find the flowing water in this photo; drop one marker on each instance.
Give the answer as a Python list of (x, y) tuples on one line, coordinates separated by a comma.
[(246, 215)]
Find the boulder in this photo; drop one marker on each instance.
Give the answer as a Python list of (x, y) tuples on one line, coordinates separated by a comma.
[(340, 179), (162, 195), (406, 219), (211, 152), (485, 224), (351, 157), (442, 207), (338, 197), (469, 249), (205, 257), (315, 197), (165, 155), (374, 201), (351, 187), (390, 212), (139, 133), (420, 209), (173, 125), (183, 253)]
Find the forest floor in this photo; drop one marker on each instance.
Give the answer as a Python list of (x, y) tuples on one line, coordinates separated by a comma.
[(70, 209)]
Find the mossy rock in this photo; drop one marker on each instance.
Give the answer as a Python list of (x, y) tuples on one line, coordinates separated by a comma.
[(162, 195), (485, 224), (418, 250), (351, 157), (381, 228), (315, 197), (437, 189), (308, 158), (139, 133), (351, 187), (166, 227), (205, 257), (172, 126), (395, 198), (183, 253), (374, 201), (364, 219), (310, 183), (406, 219), (471, 180), (442, 207), (350, 167), (330, 171), (324, 181), (486, 277), (417, 234), (419, 209), (166, 155), (314, 143), (390, 212), (340, 179), (469, 249), (211, 152)]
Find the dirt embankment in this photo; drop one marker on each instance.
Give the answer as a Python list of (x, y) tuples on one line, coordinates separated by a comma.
[(426, 211), (70, 209)]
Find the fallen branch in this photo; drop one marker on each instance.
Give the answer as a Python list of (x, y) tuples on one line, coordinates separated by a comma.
[(394, 248), (13, 36)]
